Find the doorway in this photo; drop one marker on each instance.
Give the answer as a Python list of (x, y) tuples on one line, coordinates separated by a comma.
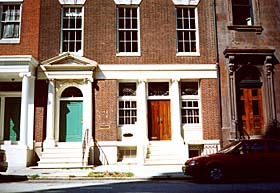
[(71, 115), (250, 105), (12, 118), (159, 120)]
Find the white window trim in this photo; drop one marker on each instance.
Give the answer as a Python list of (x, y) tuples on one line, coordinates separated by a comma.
[(81, 53), (197, 53), (127, 2), (138, 38), (72, 2), (11, 40), (186, 2), (192, 97)]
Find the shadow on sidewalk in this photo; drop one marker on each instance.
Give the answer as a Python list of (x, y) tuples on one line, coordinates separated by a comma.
[(12, 178)]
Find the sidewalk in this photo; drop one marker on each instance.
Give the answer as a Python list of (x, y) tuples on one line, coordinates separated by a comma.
[(139, 172)]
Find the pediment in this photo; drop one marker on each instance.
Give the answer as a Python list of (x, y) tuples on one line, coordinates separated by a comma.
[(68, 66)]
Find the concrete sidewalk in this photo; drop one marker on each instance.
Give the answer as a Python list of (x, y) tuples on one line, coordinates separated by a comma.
[(139, 172)]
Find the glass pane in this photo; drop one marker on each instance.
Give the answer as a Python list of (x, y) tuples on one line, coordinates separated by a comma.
[(134, 23), (127, 89), (121, 104), (254, 92), (180, 23), (189, 88), (158, 88), (128, 47), (186, 24), (255, 104), (134, 47)]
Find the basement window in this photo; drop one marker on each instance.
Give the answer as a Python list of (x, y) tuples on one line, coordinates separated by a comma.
[(126, 153)]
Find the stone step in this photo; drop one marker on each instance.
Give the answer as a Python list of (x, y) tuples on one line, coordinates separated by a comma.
[(64, 155), (165, 152)]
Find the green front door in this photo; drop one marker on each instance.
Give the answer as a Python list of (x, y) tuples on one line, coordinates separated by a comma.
[(71, 115), (12, 118)]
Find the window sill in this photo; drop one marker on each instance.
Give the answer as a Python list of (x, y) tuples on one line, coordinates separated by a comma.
[(129, 54), (246, 28), (9, 41), (187, 54)]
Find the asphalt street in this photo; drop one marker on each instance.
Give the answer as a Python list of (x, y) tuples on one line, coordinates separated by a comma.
[(137, 186)]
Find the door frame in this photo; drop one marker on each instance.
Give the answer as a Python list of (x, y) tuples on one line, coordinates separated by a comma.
[(59, 99)]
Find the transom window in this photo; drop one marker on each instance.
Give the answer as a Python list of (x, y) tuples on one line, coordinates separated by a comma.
[(127, 104), (242, 11), (128, 30), (190, 103), (10, 21), (72, 29), (158, 88), (186, 30)]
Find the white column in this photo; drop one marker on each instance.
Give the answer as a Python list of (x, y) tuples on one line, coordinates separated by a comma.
[(175, 111), (87, 109), (142, 121), (24, 109), (49, 141)]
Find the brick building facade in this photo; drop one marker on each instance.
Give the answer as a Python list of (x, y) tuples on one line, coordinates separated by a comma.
[(114, 81), (249, 67)]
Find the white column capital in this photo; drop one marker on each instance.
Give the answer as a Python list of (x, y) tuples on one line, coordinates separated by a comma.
[(173, 80), (26, 74)]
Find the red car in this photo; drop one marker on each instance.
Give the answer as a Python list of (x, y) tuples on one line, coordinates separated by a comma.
[(244, 158)]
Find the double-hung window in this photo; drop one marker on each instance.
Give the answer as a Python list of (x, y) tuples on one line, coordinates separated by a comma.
[(72, 30), (190, 103), (187, 31), (10, 23), (127, 104), (128, 31)]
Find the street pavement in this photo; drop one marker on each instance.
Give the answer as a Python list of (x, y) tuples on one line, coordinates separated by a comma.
[(139, 171)]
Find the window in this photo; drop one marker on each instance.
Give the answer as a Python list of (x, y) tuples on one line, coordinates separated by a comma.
[(72, 29), (242, 12), (190, 103), (158, 88), (128, 31), (186, 30), (127, 104), (10, 22)]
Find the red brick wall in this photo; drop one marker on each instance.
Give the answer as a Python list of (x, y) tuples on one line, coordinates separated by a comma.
[(157, 33), (209, 102), (49, 29), (106, 110), (29, 34), (40, 111)]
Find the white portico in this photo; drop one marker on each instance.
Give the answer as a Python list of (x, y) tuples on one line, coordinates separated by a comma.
[(69, 106), (17, 79)]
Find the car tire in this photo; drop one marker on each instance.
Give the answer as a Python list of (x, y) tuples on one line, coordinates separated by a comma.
[(215, 174)]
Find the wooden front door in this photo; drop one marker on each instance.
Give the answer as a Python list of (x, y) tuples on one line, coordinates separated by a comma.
[(250, 109), (159, 120), (71, 115)]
